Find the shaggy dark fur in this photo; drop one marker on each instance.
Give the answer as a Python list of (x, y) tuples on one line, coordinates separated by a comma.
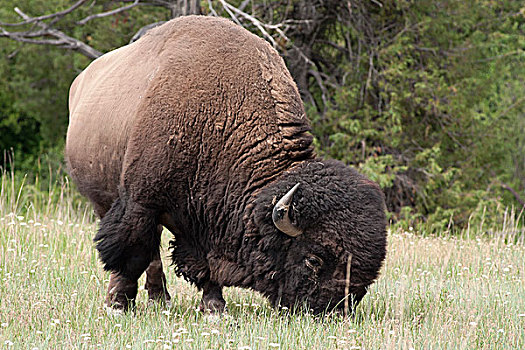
[(127, 239), (341, 212), (198, 126)]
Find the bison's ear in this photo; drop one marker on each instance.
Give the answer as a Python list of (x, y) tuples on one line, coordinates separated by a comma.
[(281, 216)]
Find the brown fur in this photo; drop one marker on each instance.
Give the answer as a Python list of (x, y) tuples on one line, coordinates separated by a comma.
[(198, 126)]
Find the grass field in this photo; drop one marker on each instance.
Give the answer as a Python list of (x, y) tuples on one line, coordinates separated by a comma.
[(434, 292)]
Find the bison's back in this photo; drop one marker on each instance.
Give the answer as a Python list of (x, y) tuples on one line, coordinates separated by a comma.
[(103, 102), (189, 93)]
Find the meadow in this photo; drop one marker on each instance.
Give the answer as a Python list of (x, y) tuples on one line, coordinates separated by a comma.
[(434, 292)]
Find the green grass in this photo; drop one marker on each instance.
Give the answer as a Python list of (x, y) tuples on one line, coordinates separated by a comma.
[(434, 292)]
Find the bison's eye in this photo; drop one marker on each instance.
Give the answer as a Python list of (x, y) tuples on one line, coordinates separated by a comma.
[(313, 262)]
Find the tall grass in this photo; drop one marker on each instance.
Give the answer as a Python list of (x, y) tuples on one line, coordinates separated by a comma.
[(46, 193), (457, 292)]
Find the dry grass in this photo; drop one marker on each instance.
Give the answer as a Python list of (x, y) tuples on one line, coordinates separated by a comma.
[(434, 292)]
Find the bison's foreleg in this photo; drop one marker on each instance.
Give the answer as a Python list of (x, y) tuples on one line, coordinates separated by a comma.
[(212, 299), (127, 242)]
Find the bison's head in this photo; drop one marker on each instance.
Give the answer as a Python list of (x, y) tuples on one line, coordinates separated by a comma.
[(323, 230)]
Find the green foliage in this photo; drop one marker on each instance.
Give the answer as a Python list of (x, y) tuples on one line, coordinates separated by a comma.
[(20, 133), (435, 112), (426, 97), (35, 80)]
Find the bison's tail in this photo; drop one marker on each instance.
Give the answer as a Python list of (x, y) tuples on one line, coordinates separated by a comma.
[(127, 239)]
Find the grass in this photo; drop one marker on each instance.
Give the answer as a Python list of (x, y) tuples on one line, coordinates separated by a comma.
[(434, 292)]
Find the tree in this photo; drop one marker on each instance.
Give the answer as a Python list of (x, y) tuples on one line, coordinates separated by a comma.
[(43, 30), (293, 27), (423, 96), (93, 27)]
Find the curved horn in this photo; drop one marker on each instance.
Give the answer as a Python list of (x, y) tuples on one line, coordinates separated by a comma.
[(281, 217)]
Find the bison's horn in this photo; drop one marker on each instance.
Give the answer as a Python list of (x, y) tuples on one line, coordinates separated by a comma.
[(281, 217)]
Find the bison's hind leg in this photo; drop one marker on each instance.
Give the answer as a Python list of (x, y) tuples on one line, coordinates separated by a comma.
[(155, 278), (121, 293), (127, 241)]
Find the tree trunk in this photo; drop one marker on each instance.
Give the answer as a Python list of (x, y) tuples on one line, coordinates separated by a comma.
[(185, 8), (297, 58)]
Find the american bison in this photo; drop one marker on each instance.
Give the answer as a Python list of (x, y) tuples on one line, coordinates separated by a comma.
[(198, 127)]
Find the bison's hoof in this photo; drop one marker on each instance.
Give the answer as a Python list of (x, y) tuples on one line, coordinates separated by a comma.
[(114, 310), (212, 306), (118, 303), (164, 301), (159, 296), (214, 318)]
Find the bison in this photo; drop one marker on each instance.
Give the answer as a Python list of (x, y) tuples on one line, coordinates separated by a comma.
[(199, 127)]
